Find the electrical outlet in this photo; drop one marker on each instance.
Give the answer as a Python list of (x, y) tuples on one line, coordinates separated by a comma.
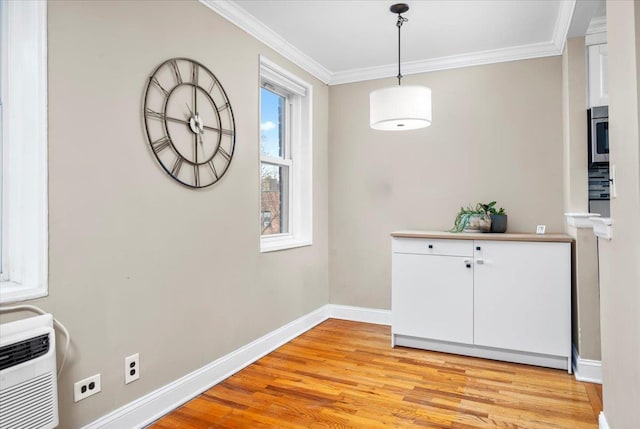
[(131, 368), (84, 388), (540, 229)]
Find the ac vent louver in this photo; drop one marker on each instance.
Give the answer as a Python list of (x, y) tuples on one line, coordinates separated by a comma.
[(29, 404), (23, 351), (28, 383)]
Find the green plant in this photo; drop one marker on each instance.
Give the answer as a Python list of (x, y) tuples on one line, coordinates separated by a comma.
[(464, 215), (490, 209)]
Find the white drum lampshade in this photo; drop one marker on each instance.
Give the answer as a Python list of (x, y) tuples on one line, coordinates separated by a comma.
[(400, 108)]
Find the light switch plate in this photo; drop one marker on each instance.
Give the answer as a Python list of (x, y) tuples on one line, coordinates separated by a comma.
[(540, 229)]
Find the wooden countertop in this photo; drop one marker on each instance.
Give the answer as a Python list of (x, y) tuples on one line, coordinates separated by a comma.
[(558, 238)]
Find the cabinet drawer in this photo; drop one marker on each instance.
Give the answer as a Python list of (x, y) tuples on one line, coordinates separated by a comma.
[(428, 246)]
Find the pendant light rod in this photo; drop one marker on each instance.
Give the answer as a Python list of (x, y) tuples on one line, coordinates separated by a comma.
[(399, 8)]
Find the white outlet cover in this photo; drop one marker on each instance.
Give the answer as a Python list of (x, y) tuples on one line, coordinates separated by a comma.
[(79, 395), (540, 229), (131, 363)]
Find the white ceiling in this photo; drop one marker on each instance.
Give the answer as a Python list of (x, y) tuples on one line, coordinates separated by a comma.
[(345, 41)]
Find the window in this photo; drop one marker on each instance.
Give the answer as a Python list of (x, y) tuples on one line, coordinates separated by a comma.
[(23, 140), (285, 159), (276, 162)]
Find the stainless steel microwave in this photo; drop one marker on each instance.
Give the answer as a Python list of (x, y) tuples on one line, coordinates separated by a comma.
[(599, 134)]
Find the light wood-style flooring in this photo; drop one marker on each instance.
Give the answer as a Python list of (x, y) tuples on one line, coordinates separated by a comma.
[(344, 374)]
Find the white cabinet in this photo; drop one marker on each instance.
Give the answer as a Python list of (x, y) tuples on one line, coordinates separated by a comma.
[(506, 300), (598, 89), (432, 293), (522, 296)]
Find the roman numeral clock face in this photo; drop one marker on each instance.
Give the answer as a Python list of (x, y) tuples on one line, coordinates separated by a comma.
[(189, 122)]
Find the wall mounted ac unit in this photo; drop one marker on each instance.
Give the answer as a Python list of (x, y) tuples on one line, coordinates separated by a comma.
[(28, 383)]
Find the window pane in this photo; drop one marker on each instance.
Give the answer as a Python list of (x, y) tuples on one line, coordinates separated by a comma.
[(274, 193), (272, 123)]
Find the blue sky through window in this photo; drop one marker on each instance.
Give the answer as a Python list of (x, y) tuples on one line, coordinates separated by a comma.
[(271, 111)]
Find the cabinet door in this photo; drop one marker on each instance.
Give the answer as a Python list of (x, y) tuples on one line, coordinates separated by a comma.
[(432, 297), (598, 65), (522, 296)]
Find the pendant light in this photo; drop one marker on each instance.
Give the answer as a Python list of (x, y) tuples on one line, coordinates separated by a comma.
[(400, 107)]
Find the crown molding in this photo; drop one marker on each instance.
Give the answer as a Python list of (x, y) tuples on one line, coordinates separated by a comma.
[(595, 39), (247, 22), (241, 18), (563, 23), (597, 24), (597, 31), (524, 52)]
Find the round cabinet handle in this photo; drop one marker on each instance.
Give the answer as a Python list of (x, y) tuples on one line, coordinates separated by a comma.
[(468, 263), (431, 246), (478, 248)]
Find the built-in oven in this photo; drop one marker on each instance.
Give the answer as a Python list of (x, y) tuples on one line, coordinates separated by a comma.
[(599, 134)]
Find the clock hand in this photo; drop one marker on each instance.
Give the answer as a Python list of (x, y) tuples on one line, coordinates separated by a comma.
[(195, 147), (195, 100), (195, 135), (182, 121), (219, 130)]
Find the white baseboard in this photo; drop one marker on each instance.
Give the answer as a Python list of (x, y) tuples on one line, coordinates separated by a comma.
[(154, 405), (360, 314), (602, 421), (586, 369)]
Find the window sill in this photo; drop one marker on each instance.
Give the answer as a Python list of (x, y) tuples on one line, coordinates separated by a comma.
[(273, 244), (11, 292)]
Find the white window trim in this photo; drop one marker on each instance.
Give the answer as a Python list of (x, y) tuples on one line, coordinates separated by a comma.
[(301, 186), (24, 151)]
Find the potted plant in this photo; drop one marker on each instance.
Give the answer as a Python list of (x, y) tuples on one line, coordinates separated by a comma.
[(498, 217), (472, 219)]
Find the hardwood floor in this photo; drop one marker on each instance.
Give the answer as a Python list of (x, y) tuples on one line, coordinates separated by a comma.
[(344, 374)]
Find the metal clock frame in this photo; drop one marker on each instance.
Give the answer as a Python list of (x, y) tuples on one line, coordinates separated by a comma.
[(194, 122)]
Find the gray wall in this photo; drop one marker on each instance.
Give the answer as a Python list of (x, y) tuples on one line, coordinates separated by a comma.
[(496, 135), (137, 262), (619, 268), (585, 288), (574, 114), (585, 297)]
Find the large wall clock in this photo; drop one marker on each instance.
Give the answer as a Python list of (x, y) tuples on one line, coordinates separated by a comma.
[(189, 122)]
